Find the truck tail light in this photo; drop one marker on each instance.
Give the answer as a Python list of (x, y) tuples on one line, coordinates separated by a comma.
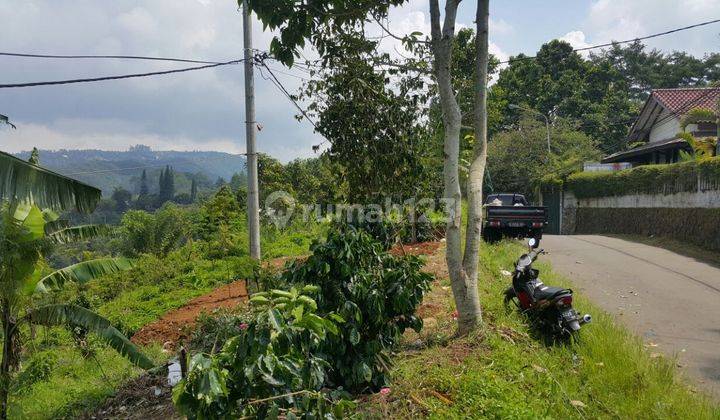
[(537, 225)]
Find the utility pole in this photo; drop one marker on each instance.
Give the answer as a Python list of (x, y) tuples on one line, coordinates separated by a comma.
[(253, 205)]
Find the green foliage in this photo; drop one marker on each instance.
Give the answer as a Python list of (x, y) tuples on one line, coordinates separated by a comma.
[(51, 315), (321, 22), (274, 365), (213, 330), (376, 294), (647, 179), (155, 233), (602, 93), (25, 182), (373, 120), (38, 368), (518, 160), (334, 328), (155, 286)]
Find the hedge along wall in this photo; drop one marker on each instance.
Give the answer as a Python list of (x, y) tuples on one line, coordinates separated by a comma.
[(648, 179), (699, 226), (678, 201)]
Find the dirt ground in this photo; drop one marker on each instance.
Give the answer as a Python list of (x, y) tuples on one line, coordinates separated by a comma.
[(150, 396), (175, 326)]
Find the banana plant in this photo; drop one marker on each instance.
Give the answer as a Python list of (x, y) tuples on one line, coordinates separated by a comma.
[(704, 146), (29, 226)]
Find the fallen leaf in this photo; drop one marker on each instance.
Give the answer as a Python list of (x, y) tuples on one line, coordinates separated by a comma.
[(577, 403), (601, 364), (506, 273), (442, 397), (655, 355), (539, 369)]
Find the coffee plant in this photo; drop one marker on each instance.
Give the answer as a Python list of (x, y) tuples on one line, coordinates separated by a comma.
[(375, 293), (305, 348), (273, 367)]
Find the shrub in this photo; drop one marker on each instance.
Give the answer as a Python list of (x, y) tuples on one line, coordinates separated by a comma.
[(334, 330), (648, 179), (273, 366), (376, 293)]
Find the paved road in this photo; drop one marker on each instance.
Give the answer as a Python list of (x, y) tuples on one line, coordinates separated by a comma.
[(668, 299)]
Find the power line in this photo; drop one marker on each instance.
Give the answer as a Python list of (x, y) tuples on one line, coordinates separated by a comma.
[(121, 57), (124, 76), (627, 41)]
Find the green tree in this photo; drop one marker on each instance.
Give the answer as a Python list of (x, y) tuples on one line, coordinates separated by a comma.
[(329, 24), (518, 160), (144, 190), (167, 185), (122, 199), (25, 235), (193, 190), (154, 233)]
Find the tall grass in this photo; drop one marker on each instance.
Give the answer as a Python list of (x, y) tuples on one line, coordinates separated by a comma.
[(507, 371)]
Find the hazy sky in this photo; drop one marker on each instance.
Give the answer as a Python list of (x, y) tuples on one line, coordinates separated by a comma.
[(204, 110)]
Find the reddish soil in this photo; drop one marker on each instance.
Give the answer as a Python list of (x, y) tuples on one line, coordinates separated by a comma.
[(421, 248), (175, 325)]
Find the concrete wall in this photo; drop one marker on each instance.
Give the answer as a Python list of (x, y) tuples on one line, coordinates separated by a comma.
[(687, 216)]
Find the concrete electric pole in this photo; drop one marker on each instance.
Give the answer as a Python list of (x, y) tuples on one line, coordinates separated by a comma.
[(253, 205)]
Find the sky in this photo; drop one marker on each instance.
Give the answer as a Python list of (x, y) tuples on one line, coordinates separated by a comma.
[(204, 110)]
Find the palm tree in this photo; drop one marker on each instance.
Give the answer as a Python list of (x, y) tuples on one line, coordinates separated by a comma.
[(704, 146), (29, 197)]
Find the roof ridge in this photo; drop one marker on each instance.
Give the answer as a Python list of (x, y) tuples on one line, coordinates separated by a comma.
[(688, 88)]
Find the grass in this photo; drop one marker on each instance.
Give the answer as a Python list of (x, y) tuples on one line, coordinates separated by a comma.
[(679, 247), (505, 372), (75, 382)]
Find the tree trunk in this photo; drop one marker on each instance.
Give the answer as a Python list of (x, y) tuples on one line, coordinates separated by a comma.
[(464, 287), (477, 167), (8, 331)]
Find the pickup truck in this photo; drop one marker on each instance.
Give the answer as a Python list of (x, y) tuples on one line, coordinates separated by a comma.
[(511, 215)]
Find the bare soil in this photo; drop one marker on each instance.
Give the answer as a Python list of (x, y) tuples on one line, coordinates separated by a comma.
[(176, 325), (150, 397)]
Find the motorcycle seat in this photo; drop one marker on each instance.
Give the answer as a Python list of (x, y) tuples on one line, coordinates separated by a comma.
[(548, 292)]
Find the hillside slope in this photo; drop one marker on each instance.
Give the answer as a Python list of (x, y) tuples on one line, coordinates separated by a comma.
[(108, 170)]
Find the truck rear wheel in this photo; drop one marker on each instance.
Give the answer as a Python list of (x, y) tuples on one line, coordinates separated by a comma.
[(491, 236)]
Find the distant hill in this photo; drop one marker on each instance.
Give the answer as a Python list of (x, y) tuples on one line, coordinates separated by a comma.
[(108, 170)]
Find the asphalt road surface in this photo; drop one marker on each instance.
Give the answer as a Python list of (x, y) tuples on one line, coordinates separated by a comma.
[(668, 299)]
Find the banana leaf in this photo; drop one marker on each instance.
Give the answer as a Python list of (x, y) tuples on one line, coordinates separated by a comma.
[(82, 273), (54, 315), (25, 182), (76, 233)]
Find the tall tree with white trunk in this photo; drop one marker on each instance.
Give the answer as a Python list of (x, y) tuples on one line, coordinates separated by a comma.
[(324, 22)]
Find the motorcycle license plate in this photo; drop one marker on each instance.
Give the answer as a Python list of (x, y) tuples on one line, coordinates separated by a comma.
[(516, 224)]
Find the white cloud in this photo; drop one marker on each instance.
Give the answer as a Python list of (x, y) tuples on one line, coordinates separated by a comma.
[(500, 27), (610, 20), (577, 40)]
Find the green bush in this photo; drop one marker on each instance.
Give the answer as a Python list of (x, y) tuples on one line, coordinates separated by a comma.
[(333, 331), (648, 179), (376, 293), (274, 365)]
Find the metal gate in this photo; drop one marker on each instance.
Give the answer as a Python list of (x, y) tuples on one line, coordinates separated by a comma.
[(552, 200)]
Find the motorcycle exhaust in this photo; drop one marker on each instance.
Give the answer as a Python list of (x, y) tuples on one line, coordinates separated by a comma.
[(586, 319)]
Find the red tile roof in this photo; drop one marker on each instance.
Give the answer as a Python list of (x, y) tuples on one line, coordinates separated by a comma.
[(681, 100)]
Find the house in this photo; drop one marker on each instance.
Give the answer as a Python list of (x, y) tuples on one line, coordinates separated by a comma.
[(659, 123)]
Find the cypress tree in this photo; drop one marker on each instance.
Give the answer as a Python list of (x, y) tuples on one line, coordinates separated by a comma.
[(193, 190), (144, 191)]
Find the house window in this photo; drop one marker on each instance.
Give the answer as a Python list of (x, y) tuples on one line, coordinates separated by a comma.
[(706, 129)]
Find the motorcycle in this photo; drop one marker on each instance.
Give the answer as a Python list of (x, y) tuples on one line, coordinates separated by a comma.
[(550, 307)]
